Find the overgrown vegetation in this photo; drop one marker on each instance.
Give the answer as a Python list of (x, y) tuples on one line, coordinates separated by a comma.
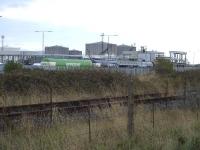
[(111, 133), (164, 66), (11, 67), (33, 86), (70, 84)]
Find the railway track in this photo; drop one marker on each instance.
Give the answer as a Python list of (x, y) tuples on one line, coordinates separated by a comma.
[(82, 105)]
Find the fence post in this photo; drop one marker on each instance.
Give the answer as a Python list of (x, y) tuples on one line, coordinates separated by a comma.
[(3, 112), (130, 125), (167, 91), (89, 122), (197, 101), (166, 104), (167, 87), (197, 109), (185, 90), (153, 115), (51, 102)]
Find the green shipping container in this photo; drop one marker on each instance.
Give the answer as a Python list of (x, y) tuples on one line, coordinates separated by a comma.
[(53, 63)]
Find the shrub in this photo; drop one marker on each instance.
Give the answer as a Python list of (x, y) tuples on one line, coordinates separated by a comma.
[(194, 144), (12, 66), (163, 66)]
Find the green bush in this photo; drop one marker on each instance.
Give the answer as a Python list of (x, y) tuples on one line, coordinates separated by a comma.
[(163, 66), (12, 66), (63, 82)]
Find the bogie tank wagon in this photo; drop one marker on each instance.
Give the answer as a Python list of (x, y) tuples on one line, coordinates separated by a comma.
[(53, 63)]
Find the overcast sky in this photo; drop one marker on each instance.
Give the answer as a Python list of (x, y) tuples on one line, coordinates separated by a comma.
[(161, 25)]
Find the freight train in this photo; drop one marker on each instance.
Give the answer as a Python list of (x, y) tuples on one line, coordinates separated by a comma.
[(55, 63)]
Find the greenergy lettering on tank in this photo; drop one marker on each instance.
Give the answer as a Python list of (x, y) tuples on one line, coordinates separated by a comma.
[(73, 64), (43, 63)]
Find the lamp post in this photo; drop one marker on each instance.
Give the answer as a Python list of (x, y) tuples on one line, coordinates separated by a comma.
[(102, 35), (2, 37), (109, 43), (43, 31), (2, 42)]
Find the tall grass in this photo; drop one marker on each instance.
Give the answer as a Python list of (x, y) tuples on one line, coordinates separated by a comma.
[(175, 129), (33, 86)]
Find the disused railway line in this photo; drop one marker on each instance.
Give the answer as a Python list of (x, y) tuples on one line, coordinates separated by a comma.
[(82, 105)]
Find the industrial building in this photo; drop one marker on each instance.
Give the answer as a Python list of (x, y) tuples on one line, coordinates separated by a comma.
[(139, 58), (178, 57), (149, 56), (30, 57), (20, 56), (122, 55), (103, 48), (100, 48), (121, 49), (75, 52), (9, 49), (57, 50)]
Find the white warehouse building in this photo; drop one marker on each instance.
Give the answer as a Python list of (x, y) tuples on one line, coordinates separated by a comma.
[(148, 56)]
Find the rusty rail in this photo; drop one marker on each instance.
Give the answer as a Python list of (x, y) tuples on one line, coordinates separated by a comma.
[(80, 105)]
